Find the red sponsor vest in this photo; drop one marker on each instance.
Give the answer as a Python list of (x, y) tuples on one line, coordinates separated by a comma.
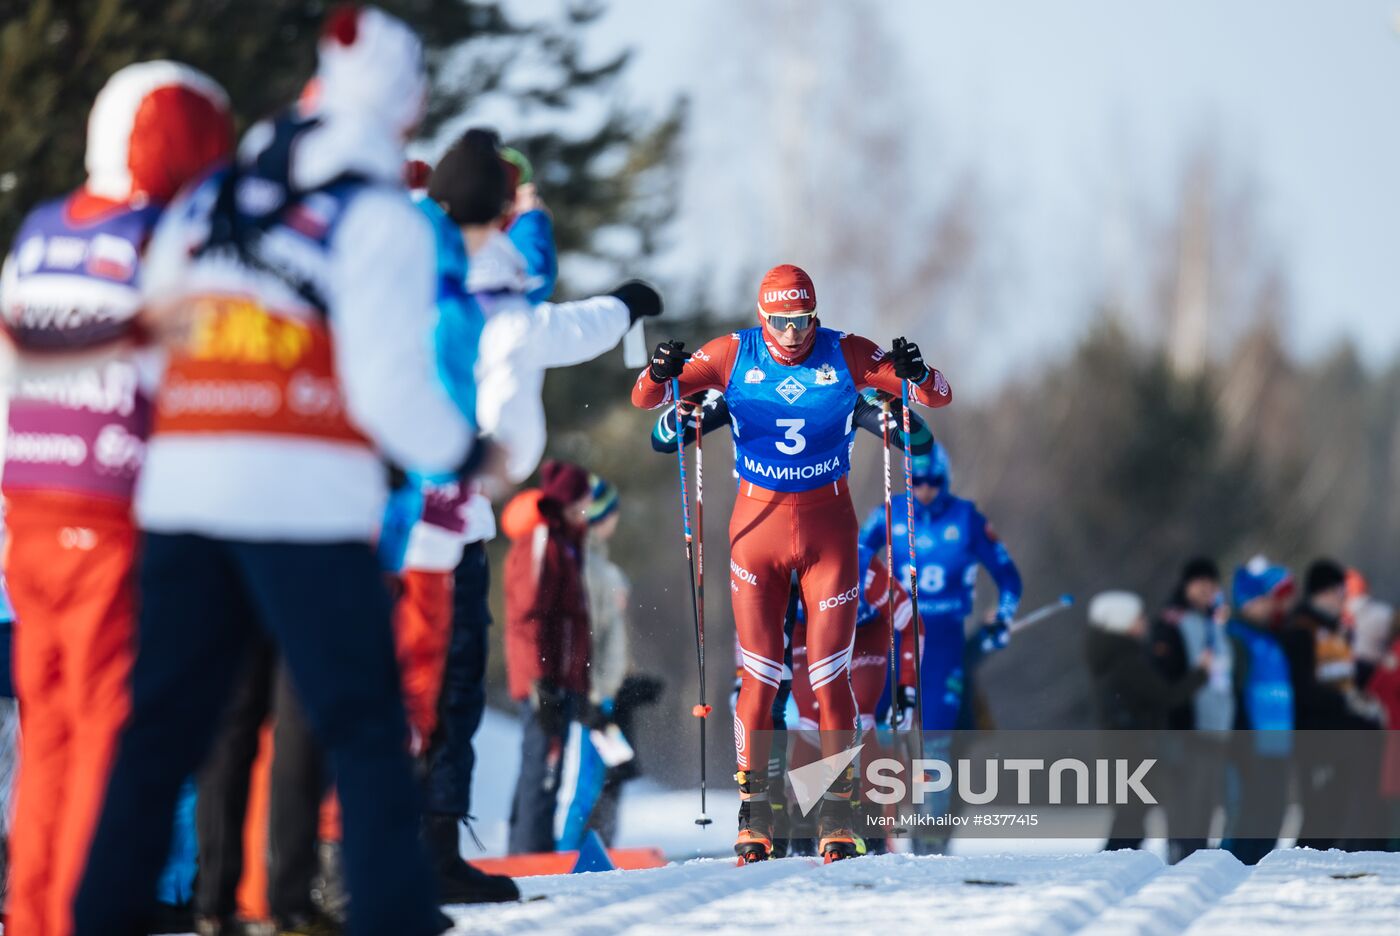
[(249, 370)]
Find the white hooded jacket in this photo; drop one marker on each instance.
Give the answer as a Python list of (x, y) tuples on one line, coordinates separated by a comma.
[(377, 275)]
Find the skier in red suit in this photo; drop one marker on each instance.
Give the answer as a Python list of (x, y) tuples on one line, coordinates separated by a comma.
[(791, 386)]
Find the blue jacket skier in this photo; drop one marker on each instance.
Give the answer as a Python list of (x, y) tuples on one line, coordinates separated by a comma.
[(952, 540)]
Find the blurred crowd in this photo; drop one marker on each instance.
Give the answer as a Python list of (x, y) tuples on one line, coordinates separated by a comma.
[(263, 402), (1265, 652)]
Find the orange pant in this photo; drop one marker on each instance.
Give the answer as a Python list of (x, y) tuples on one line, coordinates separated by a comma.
[(422, 632), (68, 565), (773, 535)]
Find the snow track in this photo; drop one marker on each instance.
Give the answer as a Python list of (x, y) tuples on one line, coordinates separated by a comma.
[(1125, 893), (1174, 898)]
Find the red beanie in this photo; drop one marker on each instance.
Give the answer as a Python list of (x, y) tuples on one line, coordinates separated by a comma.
[(563, 482), (416, 174), (786, 289)]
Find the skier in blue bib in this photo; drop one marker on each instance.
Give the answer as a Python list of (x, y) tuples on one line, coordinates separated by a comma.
[(952, 540)]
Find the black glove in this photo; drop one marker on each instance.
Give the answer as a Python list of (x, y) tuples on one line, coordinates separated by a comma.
[(637, 690), (595, 717), (641, 300), (994, 636), (550, 703), (668, 360), (908, 361), (905, 704)]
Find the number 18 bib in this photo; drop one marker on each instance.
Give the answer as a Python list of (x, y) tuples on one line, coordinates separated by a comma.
[(792, 426)]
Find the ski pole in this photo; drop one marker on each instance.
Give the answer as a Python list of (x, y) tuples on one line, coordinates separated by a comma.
[(700, 710), (1061, 603), (889, 563), (913, 560), (703, 710)]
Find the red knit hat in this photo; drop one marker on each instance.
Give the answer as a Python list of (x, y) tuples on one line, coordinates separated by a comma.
[(416, 174), (563, 482), (154, 127), (786, 290)]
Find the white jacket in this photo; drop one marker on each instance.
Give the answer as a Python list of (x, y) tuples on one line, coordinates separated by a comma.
[(520, 341), (377, 275)]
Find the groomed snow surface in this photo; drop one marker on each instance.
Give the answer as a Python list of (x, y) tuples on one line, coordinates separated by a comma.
[(996, 886), (1126, 892)]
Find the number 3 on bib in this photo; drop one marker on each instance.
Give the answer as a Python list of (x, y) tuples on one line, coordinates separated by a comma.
[(797, 442)]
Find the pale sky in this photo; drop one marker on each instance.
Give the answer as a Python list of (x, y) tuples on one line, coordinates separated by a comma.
[(1068, 110)]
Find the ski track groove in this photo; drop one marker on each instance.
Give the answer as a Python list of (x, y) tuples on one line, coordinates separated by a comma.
[(914, 893), (613, 901), (1298, 891), (1171, 900), (1125, 893)]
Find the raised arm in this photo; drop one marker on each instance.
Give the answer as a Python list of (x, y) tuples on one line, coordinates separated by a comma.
[(872, 366), (706, 369), (532, 233)]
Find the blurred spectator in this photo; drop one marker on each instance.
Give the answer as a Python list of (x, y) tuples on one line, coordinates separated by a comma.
[(547, 641), (605, 757), (276, 535), (1385, 687), (609, 593), (1373, 632), (1320, 658), (72, 545), (1131, 694), (1192, 622), (288, 816), (510, 242), (1325, 697), (1258, 772)]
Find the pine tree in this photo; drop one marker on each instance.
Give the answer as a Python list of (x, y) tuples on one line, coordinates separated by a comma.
[(54, 56)]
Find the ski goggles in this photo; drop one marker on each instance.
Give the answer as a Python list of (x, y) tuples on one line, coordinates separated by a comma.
[(801, 321)]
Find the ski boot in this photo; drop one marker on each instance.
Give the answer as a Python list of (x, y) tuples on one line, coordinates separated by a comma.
[(459, 882), (877, 844), (755, 840), (836, 826), (782, 819)]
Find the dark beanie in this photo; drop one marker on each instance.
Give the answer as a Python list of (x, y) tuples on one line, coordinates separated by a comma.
[(1322, 575), (563, 482), (470, 180), (1200, 567)]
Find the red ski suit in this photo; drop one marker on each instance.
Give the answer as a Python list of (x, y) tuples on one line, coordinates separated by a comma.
[(870, 656), (773, 534)]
